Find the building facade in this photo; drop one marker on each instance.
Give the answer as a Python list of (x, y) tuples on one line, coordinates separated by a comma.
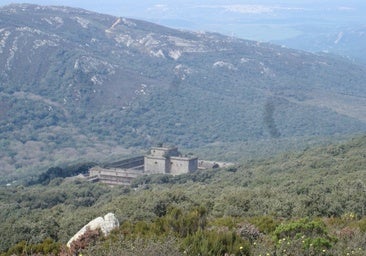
[(164, 160), (113, 176), (168, 160)]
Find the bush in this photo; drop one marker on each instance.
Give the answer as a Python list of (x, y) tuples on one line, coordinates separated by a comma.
[(47, 247), (215, 243), (265, 224), (306, 237), (302, 227), (248, 231), (88, 238)]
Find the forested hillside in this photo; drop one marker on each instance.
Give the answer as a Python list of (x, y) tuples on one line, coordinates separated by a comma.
[(77, 85), (307, 203), (347, 41)]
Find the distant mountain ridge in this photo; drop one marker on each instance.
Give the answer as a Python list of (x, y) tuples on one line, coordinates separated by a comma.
[(76, 84), (348, 42)]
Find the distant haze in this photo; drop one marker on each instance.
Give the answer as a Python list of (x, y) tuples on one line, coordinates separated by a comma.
[(265, 20)]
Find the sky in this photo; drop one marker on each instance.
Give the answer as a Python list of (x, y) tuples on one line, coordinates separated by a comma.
[(262, 20)]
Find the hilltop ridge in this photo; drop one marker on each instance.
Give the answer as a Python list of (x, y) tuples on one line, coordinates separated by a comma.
[(75, 84)]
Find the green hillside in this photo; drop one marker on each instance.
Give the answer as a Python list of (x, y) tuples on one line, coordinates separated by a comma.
[(82, 86), (307, 203)]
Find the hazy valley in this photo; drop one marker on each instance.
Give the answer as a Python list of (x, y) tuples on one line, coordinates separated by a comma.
[(80, 85), (79, 88)]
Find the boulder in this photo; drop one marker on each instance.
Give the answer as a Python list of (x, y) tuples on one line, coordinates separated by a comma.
[(106, 225)]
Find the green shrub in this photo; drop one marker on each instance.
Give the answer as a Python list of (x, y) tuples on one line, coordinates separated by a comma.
[(300, 227), (304, 236), (361, 224), (47, 247), (265, 224), (215, 243)]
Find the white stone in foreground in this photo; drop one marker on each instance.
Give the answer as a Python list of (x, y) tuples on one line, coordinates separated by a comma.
[(106, 225)]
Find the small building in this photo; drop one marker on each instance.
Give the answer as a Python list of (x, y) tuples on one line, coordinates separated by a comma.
[(164, 160), (113, 176), (168, 160), (118, 173)]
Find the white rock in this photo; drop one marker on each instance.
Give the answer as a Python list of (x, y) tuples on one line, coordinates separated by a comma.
[(106, 225)]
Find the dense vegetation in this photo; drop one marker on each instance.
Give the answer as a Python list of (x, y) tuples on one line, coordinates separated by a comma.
[(58, 172), (90, 89), (307, 203)]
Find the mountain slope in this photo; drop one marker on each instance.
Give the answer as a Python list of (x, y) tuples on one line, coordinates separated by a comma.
[(324, 183), (347, 41), (76, 84)]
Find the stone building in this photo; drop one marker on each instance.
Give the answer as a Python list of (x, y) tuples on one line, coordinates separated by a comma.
[(118, 173), (168, 160), (113, 176), (165, 160)]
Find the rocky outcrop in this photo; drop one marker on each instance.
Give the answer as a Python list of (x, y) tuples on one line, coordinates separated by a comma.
[(106, 225)]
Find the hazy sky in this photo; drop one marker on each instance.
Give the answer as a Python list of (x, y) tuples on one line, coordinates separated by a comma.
[(259, 20), (138, 7)]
